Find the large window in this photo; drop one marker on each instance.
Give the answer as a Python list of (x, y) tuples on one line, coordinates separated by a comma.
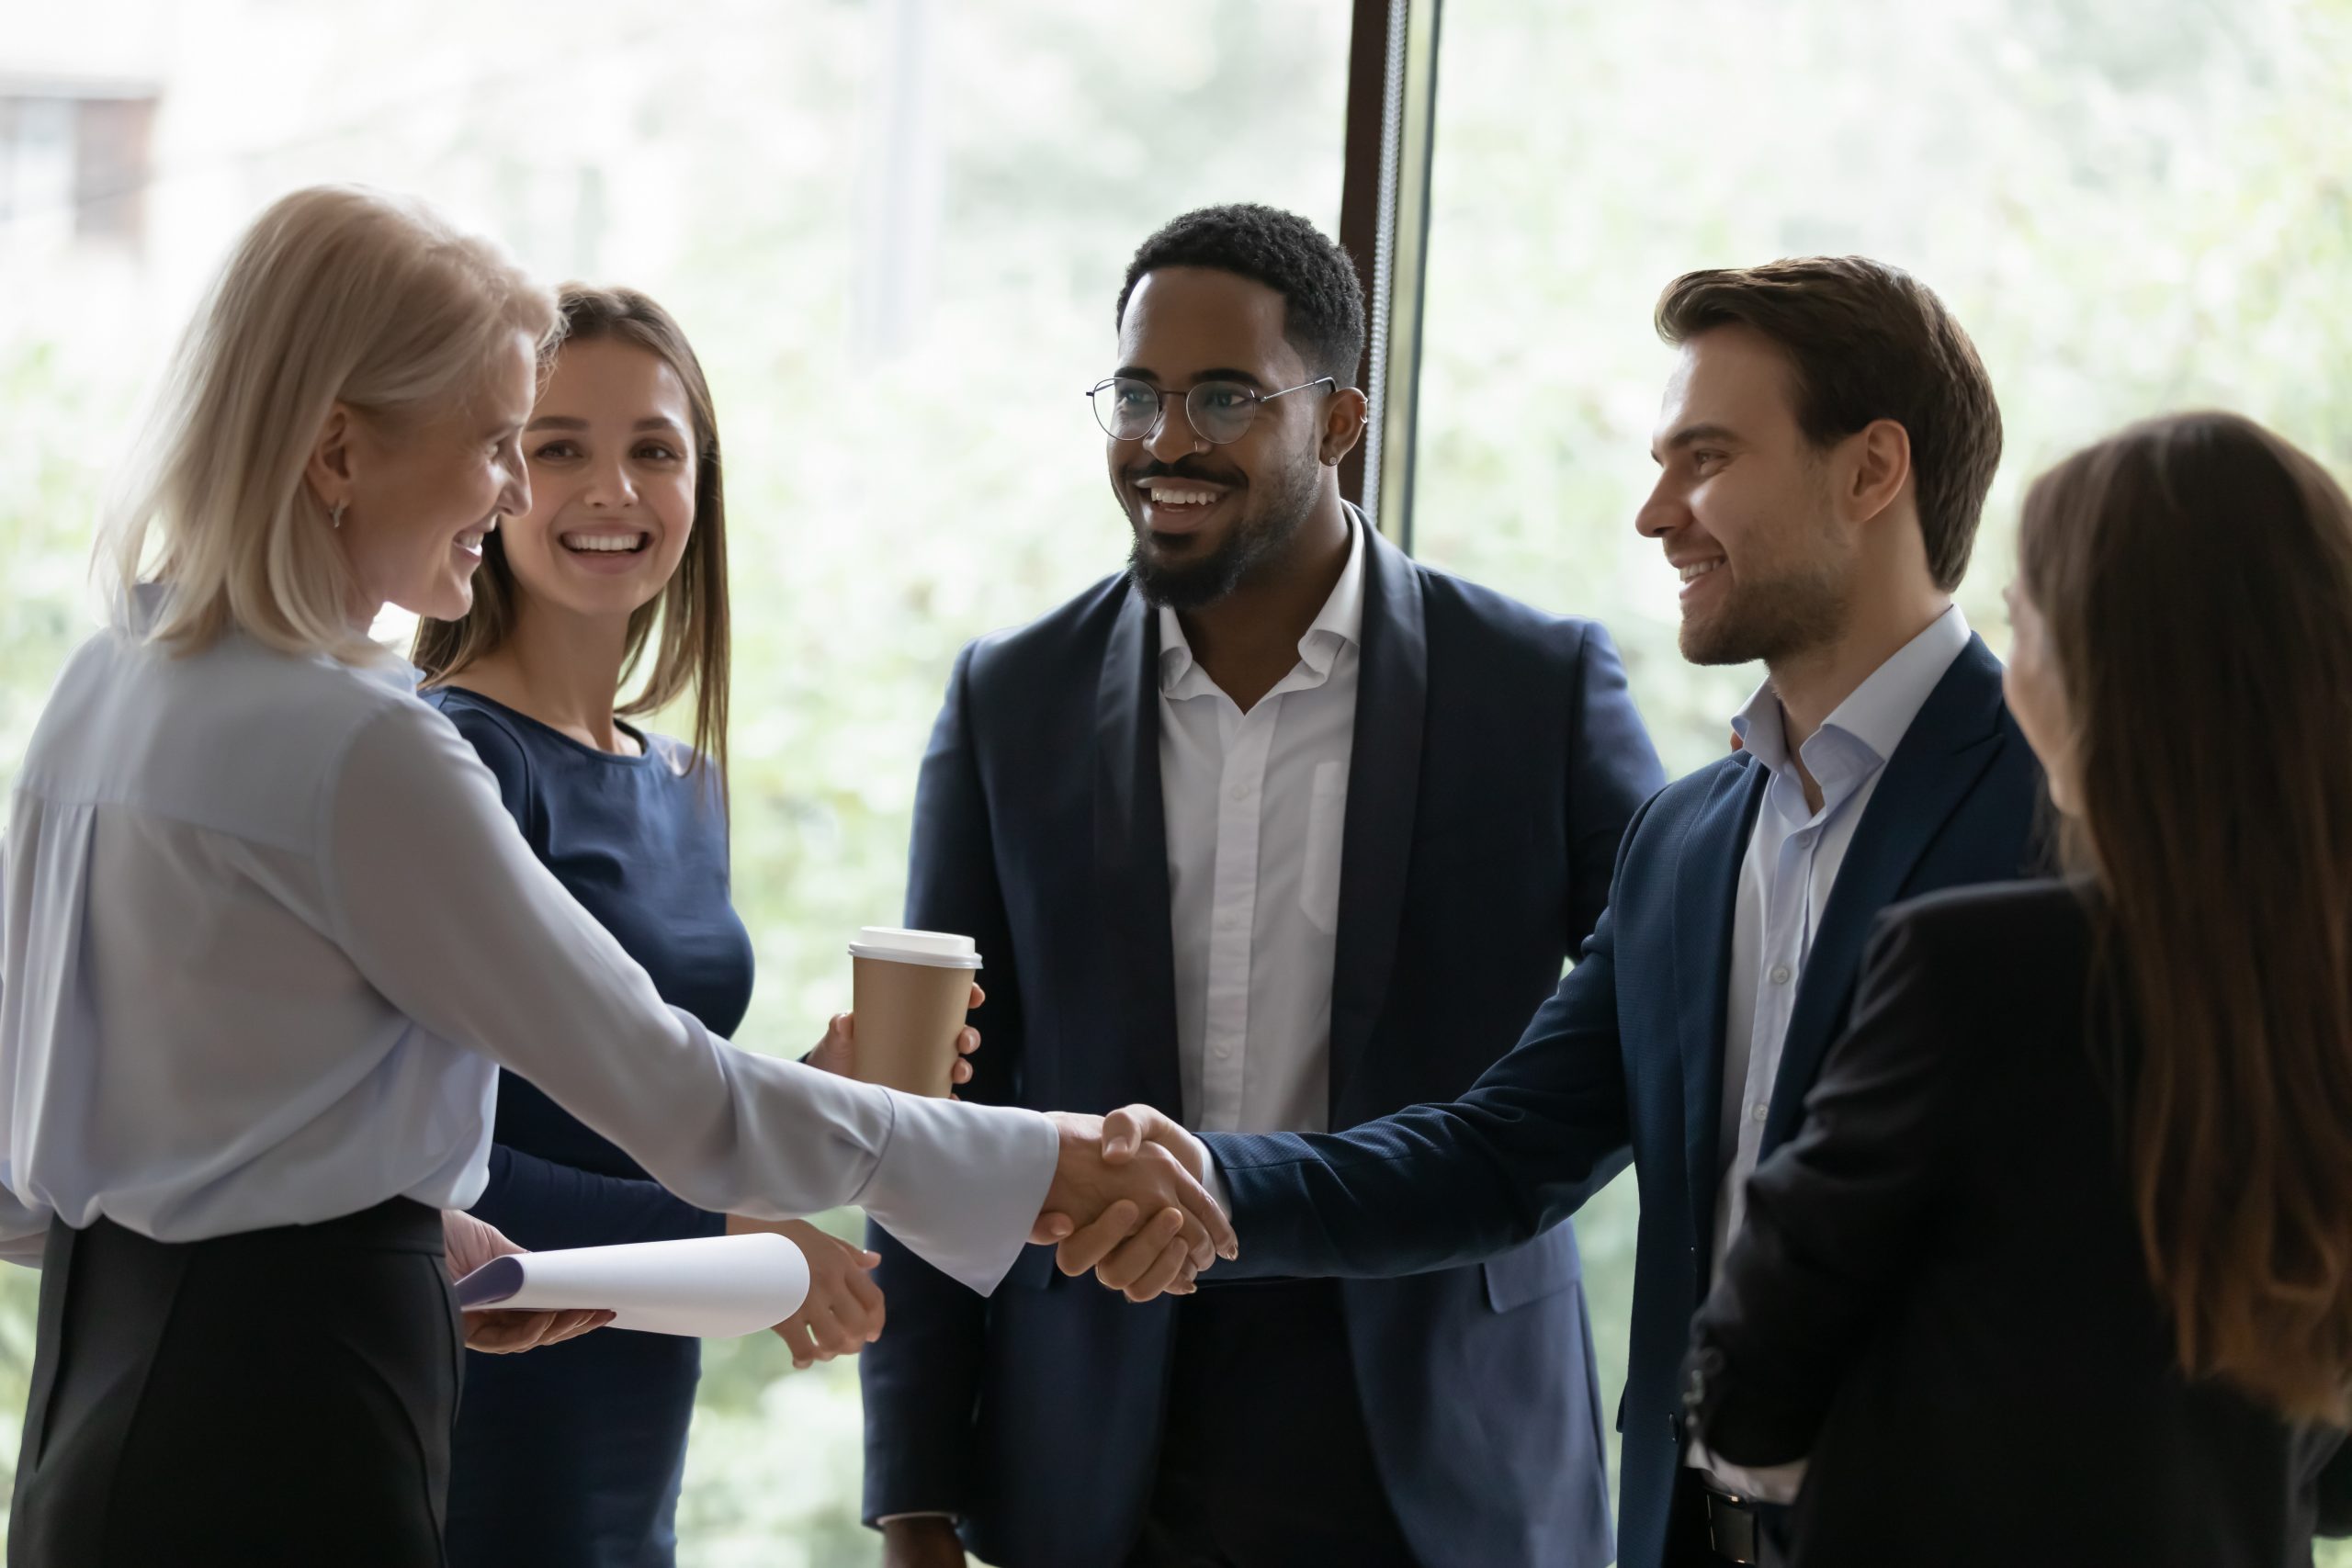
[(895, 230)]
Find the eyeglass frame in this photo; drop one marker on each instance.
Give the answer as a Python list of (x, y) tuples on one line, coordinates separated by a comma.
[(1160, 421)]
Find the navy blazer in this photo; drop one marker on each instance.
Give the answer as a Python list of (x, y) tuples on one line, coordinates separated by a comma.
[(1626, 1060), (1497, 759)]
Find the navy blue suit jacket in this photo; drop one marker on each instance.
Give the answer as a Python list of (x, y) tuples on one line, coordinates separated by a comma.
[(1497, 759), (1626, 1060)]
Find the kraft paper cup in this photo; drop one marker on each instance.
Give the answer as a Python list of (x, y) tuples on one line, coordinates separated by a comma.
[(911, 991)]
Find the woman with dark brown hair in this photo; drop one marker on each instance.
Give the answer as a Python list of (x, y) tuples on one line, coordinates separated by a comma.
[(2060, 1270), (576, 1461)]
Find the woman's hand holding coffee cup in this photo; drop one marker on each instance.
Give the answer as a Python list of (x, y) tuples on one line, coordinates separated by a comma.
[(837, 1052), (913, 989)]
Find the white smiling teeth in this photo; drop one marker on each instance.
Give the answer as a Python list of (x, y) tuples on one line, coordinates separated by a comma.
[(603, 542), (1692, 573), (1166, 497)]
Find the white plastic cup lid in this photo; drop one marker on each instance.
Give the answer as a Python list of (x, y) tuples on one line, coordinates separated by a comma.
[(939, 950)]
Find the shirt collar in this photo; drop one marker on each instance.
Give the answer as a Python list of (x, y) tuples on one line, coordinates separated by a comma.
[(1862, 732), (1339, 620)]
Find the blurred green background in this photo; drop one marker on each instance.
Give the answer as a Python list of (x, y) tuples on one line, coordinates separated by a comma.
[(895, 229)]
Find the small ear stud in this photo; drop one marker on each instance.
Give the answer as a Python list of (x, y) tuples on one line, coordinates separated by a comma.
[(335, 513)]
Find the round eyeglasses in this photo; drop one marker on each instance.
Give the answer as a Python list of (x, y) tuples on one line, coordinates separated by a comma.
[(1219, 411)]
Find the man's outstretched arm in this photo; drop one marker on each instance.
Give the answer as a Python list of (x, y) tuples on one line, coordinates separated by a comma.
[(1429, 1187)]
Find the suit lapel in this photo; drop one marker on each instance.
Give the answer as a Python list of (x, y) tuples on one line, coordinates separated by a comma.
[(1706, 888), (1947, 749), (1384, 788), (1131, 861)]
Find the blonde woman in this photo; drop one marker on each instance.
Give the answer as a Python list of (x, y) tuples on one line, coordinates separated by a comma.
[(268, 934), (574, 1457)]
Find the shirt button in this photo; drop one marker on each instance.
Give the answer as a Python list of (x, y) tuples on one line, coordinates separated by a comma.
[(1756, 1114), (1779, 973), (1240, 791), (1224, 1048)]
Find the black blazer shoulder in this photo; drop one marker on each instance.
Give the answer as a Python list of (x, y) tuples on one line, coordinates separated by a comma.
[(1943, 1276)]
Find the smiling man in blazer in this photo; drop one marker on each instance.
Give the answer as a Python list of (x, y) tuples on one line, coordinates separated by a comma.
[(1276, 829), (1826, 444)]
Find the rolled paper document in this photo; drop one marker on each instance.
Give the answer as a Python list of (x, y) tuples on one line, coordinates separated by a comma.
[(706, 1288)]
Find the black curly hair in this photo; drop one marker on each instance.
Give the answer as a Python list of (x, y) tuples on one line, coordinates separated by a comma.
[(1323, 318)]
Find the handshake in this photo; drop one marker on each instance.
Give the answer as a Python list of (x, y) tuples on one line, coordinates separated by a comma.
[(1127, 1201)]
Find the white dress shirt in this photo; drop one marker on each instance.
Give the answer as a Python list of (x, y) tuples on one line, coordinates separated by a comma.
[(1254, 804), (268, 935), (1785, 881)]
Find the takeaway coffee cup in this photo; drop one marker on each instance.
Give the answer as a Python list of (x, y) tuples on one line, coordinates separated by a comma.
[(912, 990)]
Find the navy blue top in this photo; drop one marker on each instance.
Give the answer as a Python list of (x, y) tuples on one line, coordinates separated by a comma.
[(571, 1455)]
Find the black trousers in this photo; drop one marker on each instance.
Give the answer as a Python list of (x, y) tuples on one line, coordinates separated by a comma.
[(1265, 1462), (185, 1411)]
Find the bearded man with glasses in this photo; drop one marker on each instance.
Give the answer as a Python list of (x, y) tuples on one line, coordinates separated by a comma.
[(1275, 831)]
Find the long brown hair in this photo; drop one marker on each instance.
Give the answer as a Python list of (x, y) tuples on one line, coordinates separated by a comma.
[(689, 613), (2195, 574)]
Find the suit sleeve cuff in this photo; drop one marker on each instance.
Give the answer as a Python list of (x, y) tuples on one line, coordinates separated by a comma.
[(1213, 1177)]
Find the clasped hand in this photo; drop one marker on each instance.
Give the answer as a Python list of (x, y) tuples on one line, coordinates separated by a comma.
[(1128, 1202)]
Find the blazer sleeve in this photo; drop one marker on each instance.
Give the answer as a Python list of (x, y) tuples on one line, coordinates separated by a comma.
[(1435, 1186), (921, 1379), (1613, 769), (1840, 1216)]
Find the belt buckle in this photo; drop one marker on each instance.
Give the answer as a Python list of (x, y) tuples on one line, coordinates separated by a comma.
[(1732, 1527)]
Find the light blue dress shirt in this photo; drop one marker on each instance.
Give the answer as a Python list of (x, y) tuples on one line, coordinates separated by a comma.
[(1785, 881), (267, 935)]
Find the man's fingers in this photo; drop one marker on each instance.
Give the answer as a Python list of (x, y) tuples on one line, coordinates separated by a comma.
[(968, 1042), (1213, 1237), (1165, 1270), (979, 996), (1138, 1255), (1091, 1244), (1123, 1131)]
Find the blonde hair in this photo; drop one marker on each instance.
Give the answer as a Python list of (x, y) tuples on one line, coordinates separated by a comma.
[(336, 294)]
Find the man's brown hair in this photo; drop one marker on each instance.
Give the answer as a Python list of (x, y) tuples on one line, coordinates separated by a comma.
[(1866, 341)]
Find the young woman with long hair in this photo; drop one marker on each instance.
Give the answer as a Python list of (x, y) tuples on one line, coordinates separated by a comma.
[(574, 1457)]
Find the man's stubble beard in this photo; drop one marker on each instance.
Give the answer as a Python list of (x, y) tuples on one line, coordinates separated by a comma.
[(1260, 534), (1793, 611)]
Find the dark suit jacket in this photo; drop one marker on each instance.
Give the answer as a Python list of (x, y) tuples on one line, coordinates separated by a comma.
[(1939, 1293), (1626, 1061), (1497, 759)]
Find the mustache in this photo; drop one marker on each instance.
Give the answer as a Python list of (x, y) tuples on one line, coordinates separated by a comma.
[(1187, 469)]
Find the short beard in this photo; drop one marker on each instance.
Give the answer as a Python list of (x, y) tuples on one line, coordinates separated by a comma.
[(1260, 535), (1772, 621)]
